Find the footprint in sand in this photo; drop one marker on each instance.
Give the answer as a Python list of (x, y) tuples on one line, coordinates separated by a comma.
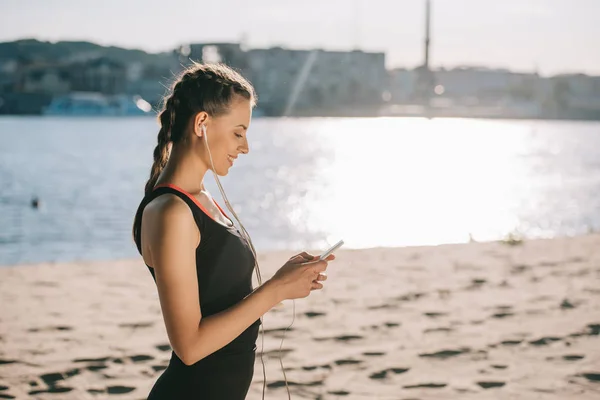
[(278, 332), (591, 376), (476, 283), (54, 389), (440, 329), (386, 324), (339, 392), (86, 360), (573, 357), (384, 306), (511, 342), (373, 353), (544, 341), (119, 389), (51, 328), (383, 374), (491, 384), (435, 314), (275, 353), (52, 378), (141, 358), (502, 315), (163, 347), (94, 368), (343, 338), (3, 362), (443, 354), (313, 367), (410, 296), (278, 384), (312, 314), (137, 325), (347, 362), (112, 390), (426, 386), (519, 269)]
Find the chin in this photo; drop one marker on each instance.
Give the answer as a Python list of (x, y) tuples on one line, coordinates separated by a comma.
[(223, 172)]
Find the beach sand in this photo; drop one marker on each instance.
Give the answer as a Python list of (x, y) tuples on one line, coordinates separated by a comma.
[(468, 321)]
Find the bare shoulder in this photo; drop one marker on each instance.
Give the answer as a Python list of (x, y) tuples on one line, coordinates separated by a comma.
[(166, 206), (167, 219)]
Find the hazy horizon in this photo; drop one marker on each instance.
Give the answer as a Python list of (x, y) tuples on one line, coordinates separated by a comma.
[(547, 36)]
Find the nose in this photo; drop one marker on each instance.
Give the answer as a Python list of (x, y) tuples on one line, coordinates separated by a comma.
[(245, 149)]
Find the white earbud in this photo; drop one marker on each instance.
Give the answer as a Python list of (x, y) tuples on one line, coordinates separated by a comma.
[(203, 127)]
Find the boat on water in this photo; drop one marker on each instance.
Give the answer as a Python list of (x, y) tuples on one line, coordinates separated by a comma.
[(97, 104)]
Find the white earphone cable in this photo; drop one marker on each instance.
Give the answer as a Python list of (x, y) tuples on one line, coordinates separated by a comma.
[(246, 236)]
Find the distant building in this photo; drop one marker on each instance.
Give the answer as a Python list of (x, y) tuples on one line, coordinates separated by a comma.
[(402, 84), (8, 74), (101, 75), (313, 81), (576, 95), (51, 79)]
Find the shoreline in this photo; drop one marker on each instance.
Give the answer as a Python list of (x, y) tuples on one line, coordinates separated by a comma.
[(471, 321)]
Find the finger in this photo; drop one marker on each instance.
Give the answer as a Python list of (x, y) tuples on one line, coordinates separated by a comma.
[(319, 266), (316, 286), (321, 277), (307, 256), (302, 257), (297, 259), (330, 257)]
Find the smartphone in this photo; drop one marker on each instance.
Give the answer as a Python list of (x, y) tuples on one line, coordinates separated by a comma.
[(331, 250)]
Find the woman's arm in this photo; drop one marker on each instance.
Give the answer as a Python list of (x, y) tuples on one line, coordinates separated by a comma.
[(170, 237)]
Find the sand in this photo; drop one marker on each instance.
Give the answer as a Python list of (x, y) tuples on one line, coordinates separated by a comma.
[(467, 321)]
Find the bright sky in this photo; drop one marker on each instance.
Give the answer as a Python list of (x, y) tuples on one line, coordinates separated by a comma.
[(553, 35)]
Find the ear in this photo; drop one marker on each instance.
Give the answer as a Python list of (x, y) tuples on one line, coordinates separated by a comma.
[(200, 119)]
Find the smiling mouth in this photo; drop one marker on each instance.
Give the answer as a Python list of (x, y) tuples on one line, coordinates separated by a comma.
[(230, 159)]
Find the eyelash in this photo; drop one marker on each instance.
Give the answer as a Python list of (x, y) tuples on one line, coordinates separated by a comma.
[(238, 135)]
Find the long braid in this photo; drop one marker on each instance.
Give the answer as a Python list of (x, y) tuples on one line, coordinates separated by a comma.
[(161, 150)]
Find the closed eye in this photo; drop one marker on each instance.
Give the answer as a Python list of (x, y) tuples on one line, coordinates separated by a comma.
[(238, 135)]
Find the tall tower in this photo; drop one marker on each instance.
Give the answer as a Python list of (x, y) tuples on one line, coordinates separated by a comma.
[(427, 32), (425, 79)]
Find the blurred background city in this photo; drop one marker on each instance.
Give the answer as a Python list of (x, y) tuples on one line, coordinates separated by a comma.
[(511, 60), (357, 107)]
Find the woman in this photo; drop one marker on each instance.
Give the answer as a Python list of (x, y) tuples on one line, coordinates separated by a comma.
[(200, 262)]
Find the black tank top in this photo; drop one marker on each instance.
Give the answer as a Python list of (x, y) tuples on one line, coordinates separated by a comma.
[(224, 267)]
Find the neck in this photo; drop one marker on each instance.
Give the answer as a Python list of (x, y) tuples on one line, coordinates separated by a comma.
[(184, 169)]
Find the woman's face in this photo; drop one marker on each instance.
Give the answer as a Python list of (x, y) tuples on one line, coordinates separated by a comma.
[(227, 136)]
